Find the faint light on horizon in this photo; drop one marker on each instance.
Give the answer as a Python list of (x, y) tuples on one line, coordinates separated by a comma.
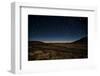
[(57, 41)]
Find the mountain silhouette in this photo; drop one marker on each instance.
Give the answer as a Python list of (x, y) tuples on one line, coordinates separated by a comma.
[(83, 40), (36, 42)]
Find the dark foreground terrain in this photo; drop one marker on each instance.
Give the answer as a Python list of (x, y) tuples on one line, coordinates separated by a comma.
[(47, 51)]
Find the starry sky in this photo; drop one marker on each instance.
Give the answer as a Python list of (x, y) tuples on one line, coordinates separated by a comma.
[(56, 28)]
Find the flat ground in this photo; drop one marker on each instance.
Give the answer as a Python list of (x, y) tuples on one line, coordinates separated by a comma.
[(52, 51)]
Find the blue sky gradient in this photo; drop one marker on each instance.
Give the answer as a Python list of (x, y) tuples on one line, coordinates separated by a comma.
[(56, 28)]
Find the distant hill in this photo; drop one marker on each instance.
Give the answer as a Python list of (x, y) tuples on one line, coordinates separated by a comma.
[(35, 42), (83, 40)]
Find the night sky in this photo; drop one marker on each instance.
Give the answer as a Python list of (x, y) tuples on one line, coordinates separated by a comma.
[(56, 28)]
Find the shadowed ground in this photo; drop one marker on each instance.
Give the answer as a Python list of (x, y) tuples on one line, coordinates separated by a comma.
[(47, 51)]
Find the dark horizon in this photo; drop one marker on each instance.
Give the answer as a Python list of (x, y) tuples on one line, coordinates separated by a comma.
[(56, 28), (61, 41)]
